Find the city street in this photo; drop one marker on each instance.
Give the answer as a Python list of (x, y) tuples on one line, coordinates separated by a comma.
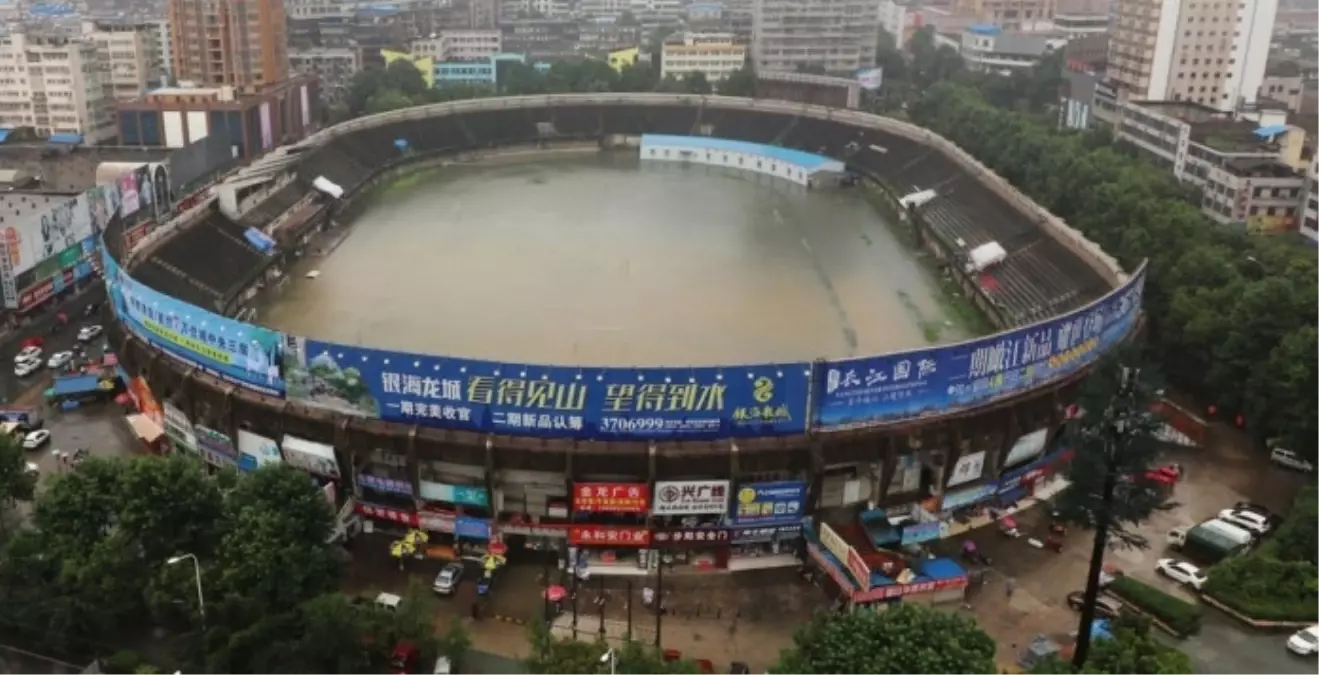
[(11, 341)]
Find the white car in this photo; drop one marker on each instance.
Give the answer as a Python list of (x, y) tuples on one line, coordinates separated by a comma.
[(29, 353), (1305, 642), (1291, 460), (36, 439), (1182, 572), (25, 368), (32, 469), (1249, 521), (89, 333), (59, 359)]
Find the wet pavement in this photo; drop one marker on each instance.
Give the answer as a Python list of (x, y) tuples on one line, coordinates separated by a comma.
[(100, 428), (11, 340)]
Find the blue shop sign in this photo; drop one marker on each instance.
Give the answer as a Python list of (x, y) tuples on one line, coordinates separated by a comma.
[(922, 532), (391, 485), (454, 494), (956, 500), (764, 502), (471, 528)]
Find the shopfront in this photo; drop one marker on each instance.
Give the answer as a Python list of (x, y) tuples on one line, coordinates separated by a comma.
[(533, 494), (255, 450), (383, 479), (530, 539), (699, 549), (317, 459), (456, 515), (386, 520), (932, 581), (968, 499), (456, 489), (216, 448), (765, 524), (1025, 481), (608, 531)]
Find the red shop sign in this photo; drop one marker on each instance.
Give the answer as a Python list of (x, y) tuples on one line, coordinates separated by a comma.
[(385, 513), (609, 536), (694, 537), (899, 590), (39, 293), (610, 497)]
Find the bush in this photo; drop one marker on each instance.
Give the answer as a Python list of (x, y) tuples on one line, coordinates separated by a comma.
[(125, 661), (1178, 615)]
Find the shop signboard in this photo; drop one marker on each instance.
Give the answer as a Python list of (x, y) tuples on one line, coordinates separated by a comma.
[(234, 351), (471, 528), (431, 521), (892, 591), (377, 512), (969, 467), (467, 495), (690, 497), (776, 500), (179, 429), (834, 543), (255, 450), (1028, 447), (917, 533), (525, 400), (692, 537), (382, 484), (834, 571), (763, 533), (216, 448), (312, 457), (859, 569), (550, 531), (609, 536), (610, 497), (963, 498), (861, 392)]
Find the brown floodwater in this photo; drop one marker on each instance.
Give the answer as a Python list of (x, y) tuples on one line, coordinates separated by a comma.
[(600, 259)]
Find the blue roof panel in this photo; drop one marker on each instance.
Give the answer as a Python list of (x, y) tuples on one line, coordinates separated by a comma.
[(4, 133), (804, 160), (66, 139), (1271, 130), (78, 384)]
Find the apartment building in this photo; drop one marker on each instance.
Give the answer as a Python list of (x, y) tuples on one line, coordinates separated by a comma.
[(540, 38), (841, 36), (55, 85), (990, 49), (459, 45), (1284, 85), (1010, 15), (165, 43), (1081, 18), (333, 66), (1310, 208), (1249, 173), (717, 55), (235, 43), (1209, 52), (130, 56)]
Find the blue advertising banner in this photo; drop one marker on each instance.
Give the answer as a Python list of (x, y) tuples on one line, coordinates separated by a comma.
[(766, 502), (917, 533), (623, 403), (861, 392), (471, 528), (231, 350), (454, 494)]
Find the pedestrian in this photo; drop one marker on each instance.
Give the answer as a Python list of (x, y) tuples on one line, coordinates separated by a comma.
[(1010, 586)]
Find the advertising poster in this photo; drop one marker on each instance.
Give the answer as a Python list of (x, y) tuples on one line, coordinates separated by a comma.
[(906, 476), (969, 467), (622, 403), (610, 497), (690, 497), (237, 352), (216, 448), (765, 502), (1027, 447), (312, 457), (179, 429), (862, 392), (129, 201), (146, 190), (255, 451), (161, 188)]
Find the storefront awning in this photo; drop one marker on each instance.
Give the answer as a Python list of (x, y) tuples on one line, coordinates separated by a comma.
[(144, 428)]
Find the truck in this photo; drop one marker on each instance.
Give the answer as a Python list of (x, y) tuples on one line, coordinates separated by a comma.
[(1210, 541), (27, 418)]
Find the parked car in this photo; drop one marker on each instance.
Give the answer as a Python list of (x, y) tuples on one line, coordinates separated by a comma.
[(1305, 642), (32, 469), (89, 333), (59, 360), (446, 582), (36, 439), (1182, 572), (1264, 511), (1105, 606), (1291, 460), (29, 353), (1247, 520), (25, 368)]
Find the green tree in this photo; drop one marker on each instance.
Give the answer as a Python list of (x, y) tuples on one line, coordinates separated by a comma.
[(404, 77), (697, 83), (671, 85), (741, 82), (386, 100), (455, 644), (554, 655), (17, 484), (637, 77), (902, 639), (1131, 650), (520, 79)]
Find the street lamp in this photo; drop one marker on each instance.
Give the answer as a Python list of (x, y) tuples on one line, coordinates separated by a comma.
[(612, 659), (197, 569)]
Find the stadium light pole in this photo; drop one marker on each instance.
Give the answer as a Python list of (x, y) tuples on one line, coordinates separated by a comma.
[(1115, 427), (197, 570)]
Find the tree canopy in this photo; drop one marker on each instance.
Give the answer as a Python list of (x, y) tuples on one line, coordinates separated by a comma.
[(1131, 650), (902, 639), (552, 655)]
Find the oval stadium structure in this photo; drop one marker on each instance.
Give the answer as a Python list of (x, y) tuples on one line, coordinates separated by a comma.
[(932, 418)]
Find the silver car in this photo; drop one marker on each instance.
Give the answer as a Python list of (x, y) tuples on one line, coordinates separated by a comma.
[(446, 582)]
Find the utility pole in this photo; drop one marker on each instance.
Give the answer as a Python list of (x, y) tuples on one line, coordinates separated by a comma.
[(1116, 428), (659, 602)]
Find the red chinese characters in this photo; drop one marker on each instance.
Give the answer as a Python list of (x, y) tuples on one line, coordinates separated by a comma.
[(385, 513), (609, 536), (610, 497)]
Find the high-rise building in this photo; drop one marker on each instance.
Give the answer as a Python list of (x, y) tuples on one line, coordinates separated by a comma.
[(130, 56), (1212, 53), (54, 84), (237, 43), (841, 36)]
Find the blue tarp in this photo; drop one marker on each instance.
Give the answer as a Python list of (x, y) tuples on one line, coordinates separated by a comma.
[(1271, 130), (4, 133), (77, 384), (65, 139), (259, 240)]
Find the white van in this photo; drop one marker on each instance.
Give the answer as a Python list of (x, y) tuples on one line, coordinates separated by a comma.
[(1291, 460)]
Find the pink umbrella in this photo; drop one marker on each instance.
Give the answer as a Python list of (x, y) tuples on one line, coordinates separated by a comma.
[(556, 593)]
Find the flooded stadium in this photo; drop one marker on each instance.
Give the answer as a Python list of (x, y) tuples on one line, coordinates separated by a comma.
[(601, 259)]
